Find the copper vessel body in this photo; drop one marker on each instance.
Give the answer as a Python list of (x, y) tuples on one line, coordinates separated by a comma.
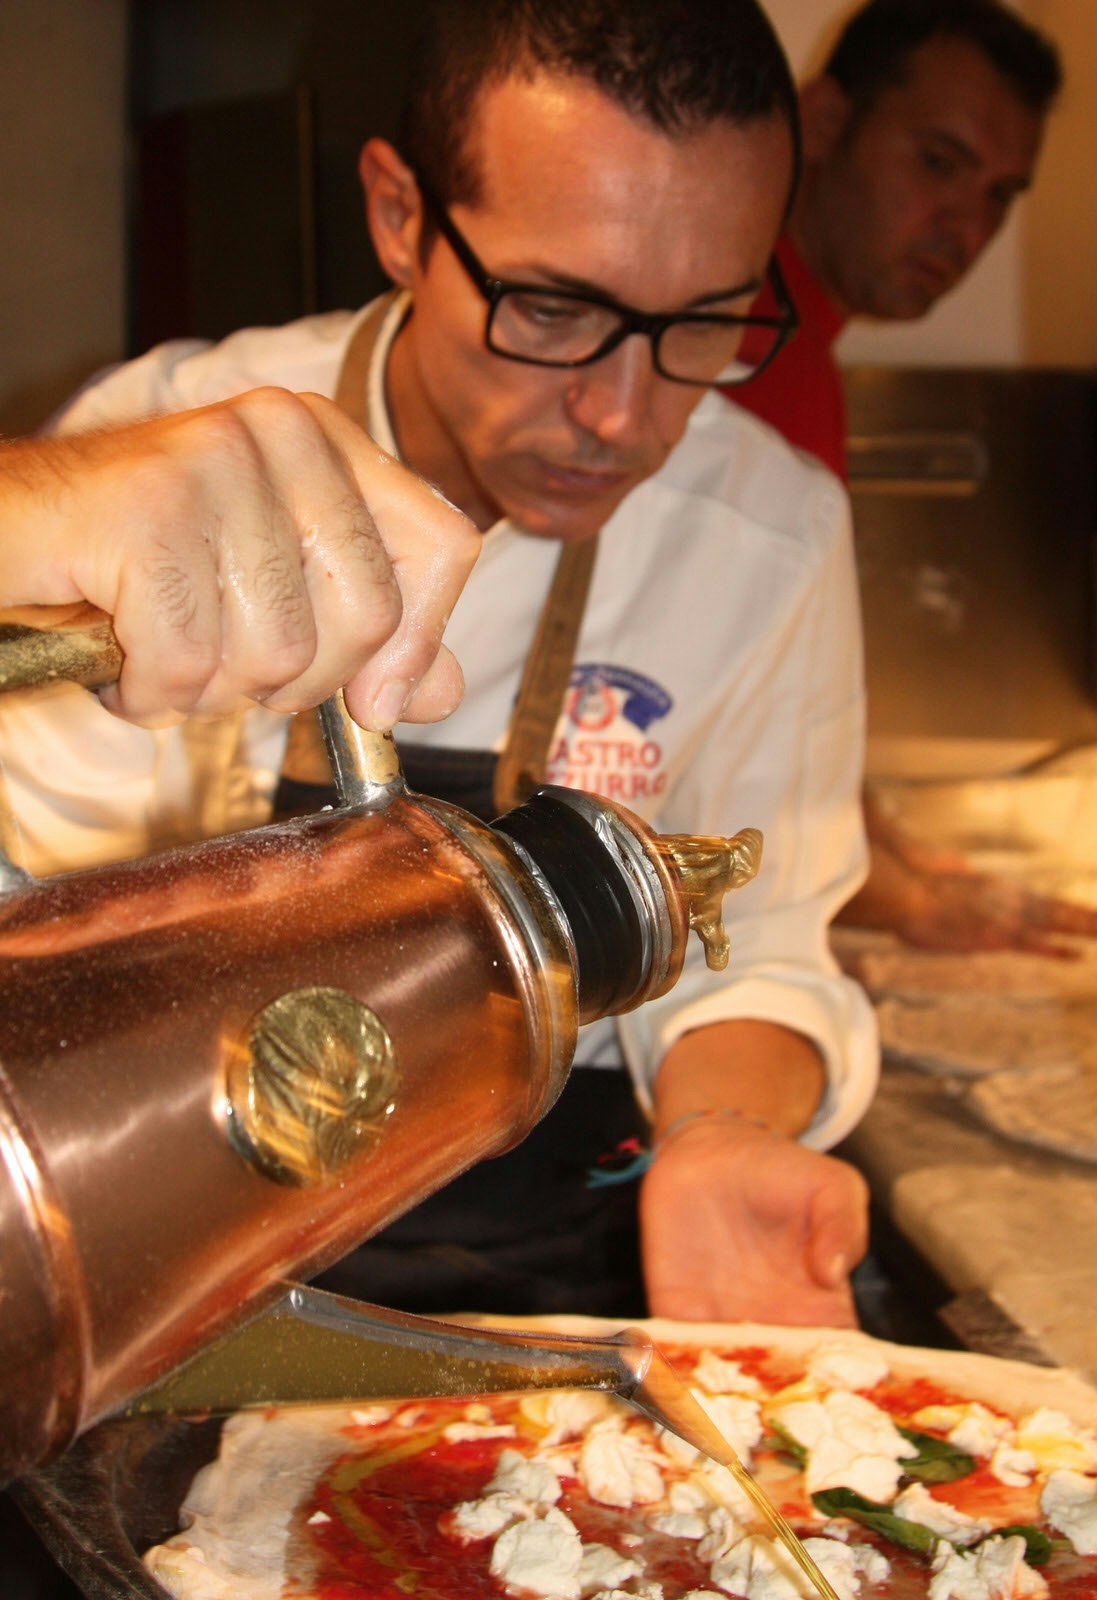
[(134, 1221)]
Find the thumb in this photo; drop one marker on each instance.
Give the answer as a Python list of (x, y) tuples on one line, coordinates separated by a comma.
[(838, 1230)]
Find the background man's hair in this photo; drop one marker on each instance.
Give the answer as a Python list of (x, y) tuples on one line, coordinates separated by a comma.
[(677, 64), (874, 47)]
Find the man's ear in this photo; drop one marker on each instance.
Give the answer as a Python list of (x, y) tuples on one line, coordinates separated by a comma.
[(393, 209), (824, 113)]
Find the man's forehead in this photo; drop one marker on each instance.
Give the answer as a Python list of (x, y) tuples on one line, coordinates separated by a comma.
[(573, 139)]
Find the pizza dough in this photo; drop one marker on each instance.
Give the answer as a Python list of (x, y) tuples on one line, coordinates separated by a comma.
[(1052, 1108), (1020, 1029), (893, 970), (966, 1035), (280, 1502)]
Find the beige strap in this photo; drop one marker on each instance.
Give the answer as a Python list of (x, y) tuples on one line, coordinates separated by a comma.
[(524, 757), (350, 386)]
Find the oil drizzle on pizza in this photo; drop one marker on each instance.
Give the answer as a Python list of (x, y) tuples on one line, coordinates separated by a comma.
[(376, 1523)]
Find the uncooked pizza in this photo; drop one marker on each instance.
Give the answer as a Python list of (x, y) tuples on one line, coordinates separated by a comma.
[(971, 1034), (908, 1473)]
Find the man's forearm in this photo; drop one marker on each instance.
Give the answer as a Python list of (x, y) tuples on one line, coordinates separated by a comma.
[(759, 1068)]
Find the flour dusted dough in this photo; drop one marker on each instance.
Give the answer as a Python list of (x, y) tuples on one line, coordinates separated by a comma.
[(966, 1035), (1054, 1108), (924, 972)]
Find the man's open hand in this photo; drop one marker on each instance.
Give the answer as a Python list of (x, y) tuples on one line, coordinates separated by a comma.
[(739, 1224)]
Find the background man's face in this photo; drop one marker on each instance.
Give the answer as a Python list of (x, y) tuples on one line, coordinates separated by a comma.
[(919, 182), (577, 194)]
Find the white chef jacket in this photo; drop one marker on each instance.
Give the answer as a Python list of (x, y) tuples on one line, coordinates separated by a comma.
[(717, 684)]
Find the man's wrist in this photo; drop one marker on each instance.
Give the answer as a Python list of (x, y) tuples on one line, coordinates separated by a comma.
[(692, 1119)]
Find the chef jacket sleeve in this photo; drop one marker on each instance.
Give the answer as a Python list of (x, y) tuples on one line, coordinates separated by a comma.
[(786, 742)]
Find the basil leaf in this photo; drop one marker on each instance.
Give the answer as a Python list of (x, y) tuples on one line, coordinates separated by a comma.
[(937, 1461), (787, 1445), (1037, 1542), (898, 1530), (914, 1535)]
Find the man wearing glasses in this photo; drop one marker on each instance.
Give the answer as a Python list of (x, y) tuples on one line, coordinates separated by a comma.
[(579, 216)]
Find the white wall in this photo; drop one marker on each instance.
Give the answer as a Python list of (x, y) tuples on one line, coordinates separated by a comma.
[(62, 175), (1031, 299)]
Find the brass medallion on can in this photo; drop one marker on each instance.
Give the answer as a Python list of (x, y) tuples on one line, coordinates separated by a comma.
[(312, 1084)]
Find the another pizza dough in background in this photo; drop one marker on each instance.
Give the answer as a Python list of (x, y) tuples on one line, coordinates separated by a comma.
[(1051, 1108), (887, 968), (966, 1035)]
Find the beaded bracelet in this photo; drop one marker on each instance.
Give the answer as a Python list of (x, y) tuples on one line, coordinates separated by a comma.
[(605, 1175)]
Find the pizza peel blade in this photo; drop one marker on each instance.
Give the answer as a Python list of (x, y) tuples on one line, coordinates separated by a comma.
[(313, 1348)]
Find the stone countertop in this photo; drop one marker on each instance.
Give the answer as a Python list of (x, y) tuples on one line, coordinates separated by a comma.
[(986, 1214)]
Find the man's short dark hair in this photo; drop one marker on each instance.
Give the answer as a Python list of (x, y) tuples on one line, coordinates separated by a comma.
[(875, 46), (677, 64)]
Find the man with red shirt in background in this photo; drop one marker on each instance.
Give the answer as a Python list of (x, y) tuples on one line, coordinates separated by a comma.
[(922, 129)]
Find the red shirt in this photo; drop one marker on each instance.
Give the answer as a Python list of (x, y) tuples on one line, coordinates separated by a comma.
[(800, 392)]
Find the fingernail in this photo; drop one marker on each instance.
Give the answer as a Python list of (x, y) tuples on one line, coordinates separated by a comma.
[(388, 707), (836, 1271)]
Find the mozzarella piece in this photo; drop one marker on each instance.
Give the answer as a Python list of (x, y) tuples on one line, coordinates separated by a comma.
[(840, 1365), (1055, 1442), (526, 1477), (570, 1413), (996, 1570), (604, 1568), (617, 1469), (759, 1569), (459, 1432), (679, 1524), (542, 1556), (1011, 1466), (689, 1495), (719, 1376), (182, 1569), (723, 1487), (846, 1566), (738, 1417), (372, 1416), (642, 1589), (851, 1444), (724, 1531), (972, 1427), (916, 1504), (1069, 1502), (483, 1519)]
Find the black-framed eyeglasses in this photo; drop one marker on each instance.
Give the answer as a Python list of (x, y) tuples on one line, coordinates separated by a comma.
[(552, 328)]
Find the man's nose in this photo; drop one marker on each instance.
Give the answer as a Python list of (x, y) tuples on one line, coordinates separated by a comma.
[(971, 223), (612, 398)]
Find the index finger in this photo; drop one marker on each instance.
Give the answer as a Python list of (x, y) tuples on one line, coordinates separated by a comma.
[(432, 547)]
